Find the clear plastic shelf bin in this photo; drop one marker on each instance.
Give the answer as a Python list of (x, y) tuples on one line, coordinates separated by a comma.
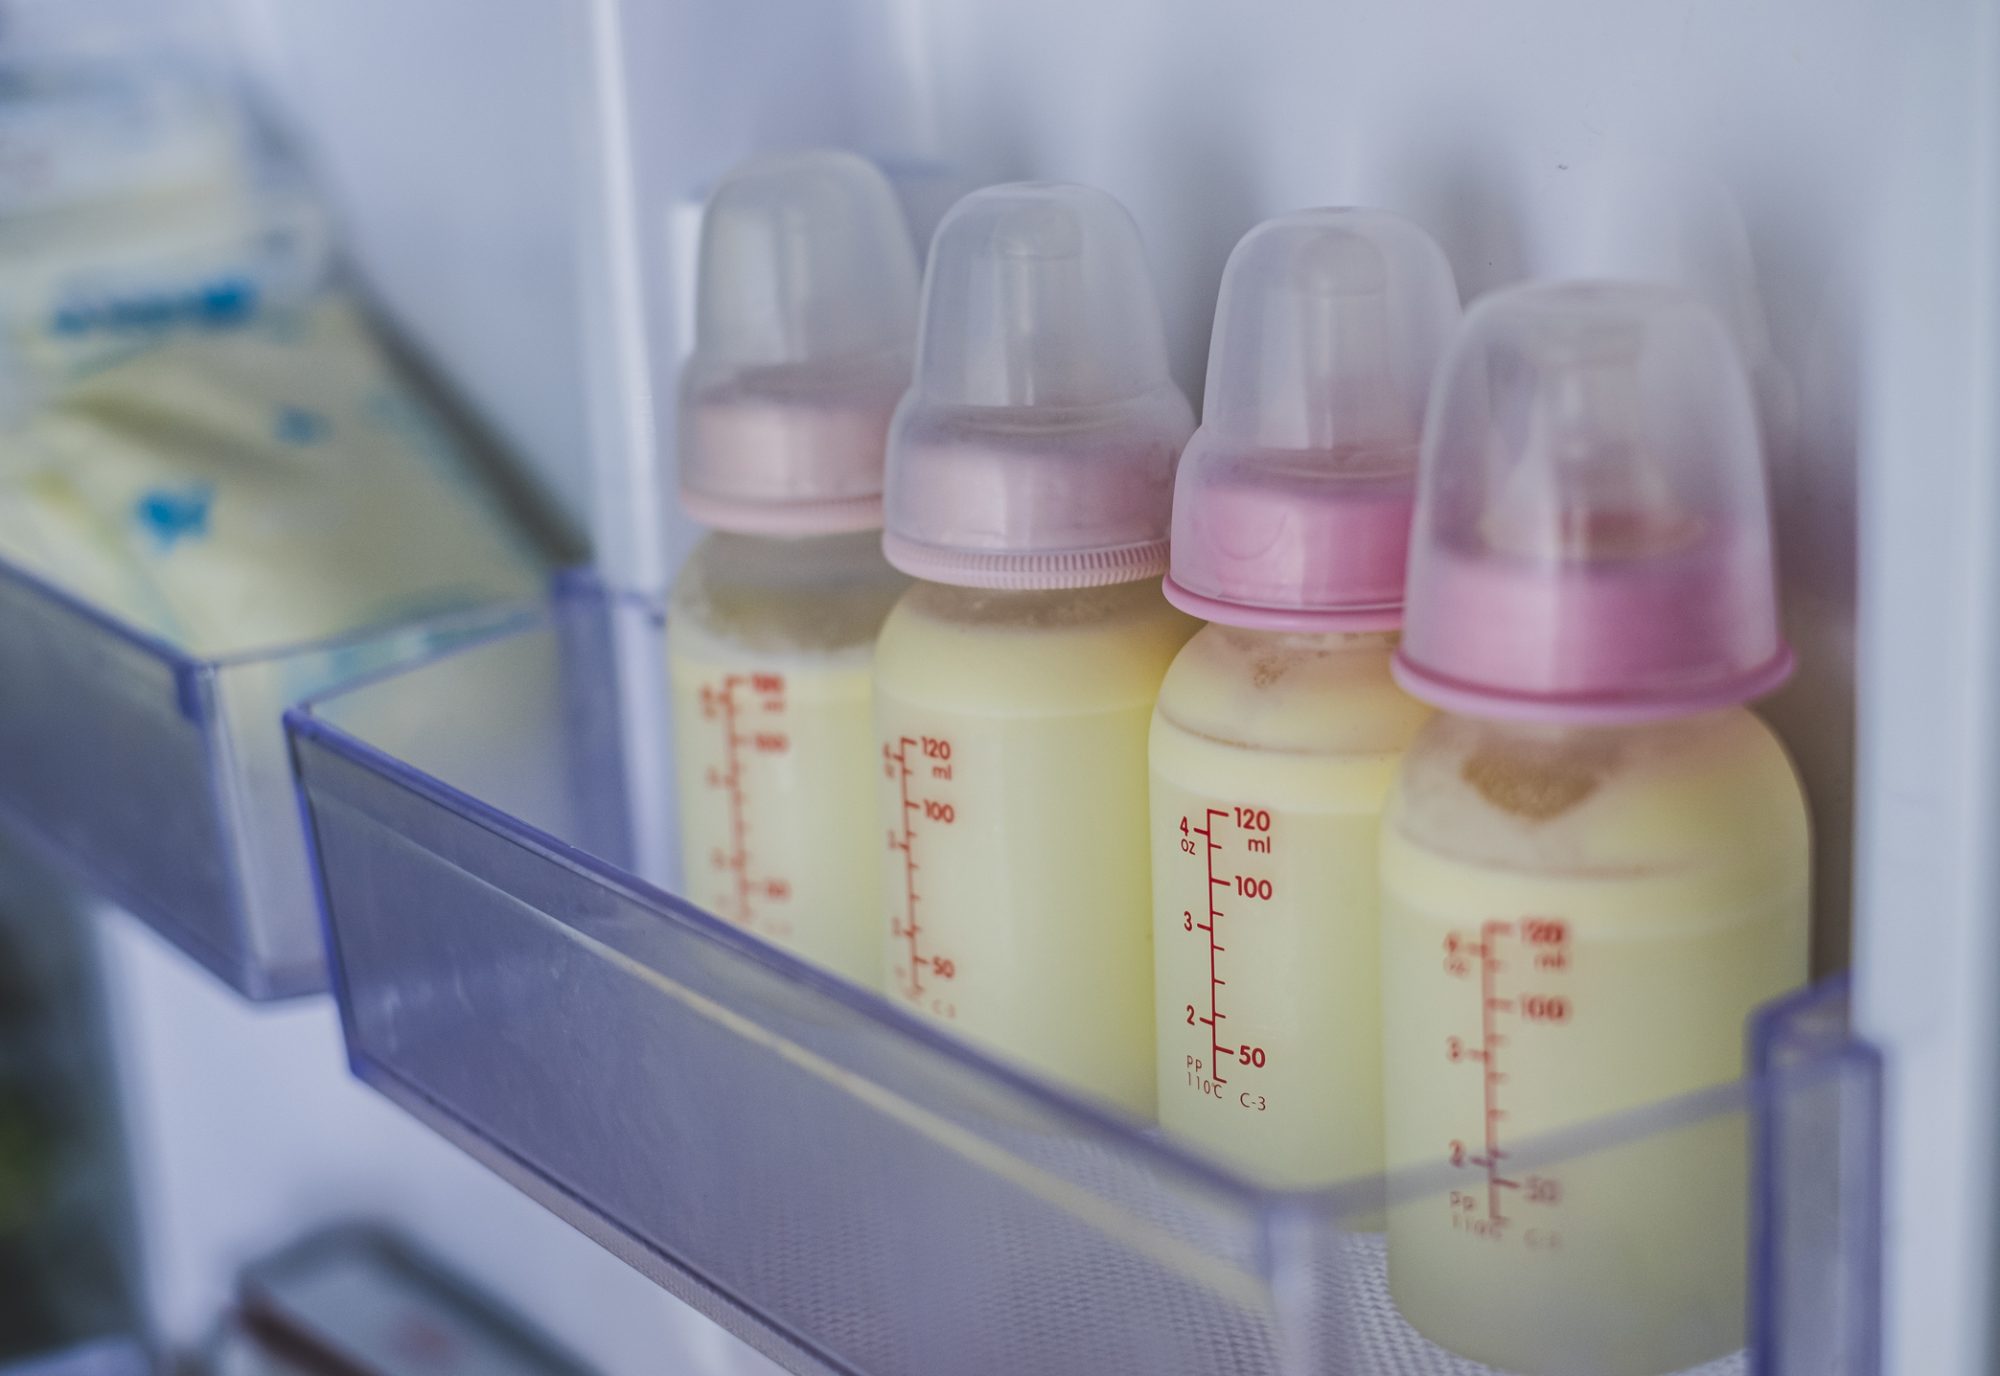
[(850, 1190), (161, 779)]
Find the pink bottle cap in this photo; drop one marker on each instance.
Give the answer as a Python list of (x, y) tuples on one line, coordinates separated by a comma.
[(1593, 532), (1036, 447), (1292, 508), (805, 309)]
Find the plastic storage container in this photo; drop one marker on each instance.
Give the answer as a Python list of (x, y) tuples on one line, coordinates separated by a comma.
[(847, 1187), (160, 778)]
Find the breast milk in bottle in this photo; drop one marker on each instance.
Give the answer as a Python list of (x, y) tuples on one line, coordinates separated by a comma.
[(1030, 480), (805, 312), (1594, 864), (1279, 727)]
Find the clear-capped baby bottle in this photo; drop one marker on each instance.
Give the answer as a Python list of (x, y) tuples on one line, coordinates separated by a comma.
[(1279, 727), (805, 312), (1030, 481), (1594, 864)]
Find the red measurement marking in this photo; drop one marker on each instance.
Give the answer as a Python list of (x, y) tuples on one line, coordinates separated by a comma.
[(909, 753), (910, 806), (1489, 967), (727, 704), (1253, 826), (1215, 1014), (1543, 944)]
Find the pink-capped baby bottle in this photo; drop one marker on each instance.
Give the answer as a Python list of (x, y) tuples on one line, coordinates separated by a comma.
[(1030, 480), (1279, 727), (805, 317), (1594, 863)]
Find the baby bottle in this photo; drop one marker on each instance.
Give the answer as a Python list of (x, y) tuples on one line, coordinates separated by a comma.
[(1279, 727), (1594, 863), (1030, 479), (805, 311)]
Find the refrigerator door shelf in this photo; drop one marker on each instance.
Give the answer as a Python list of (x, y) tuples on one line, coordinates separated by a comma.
[(854, 1192), (161, 778)]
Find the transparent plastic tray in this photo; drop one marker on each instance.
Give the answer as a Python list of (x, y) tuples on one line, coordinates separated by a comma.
[(853, 1192), (161, 779)]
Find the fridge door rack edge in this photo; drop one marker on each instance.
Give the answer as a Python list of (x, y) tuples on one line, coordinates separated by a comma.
[(160, 778), (826, 1176)]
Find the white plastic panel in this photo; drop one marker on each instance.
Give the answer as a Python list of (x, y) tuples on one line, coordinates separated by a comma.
[(447, 135)]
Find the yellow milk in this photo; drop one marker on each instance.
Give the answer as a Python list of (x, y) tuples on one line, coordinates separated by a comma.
[(257, 486), (769, 647), (1577, 922), (1012, 760), (1272, 756)]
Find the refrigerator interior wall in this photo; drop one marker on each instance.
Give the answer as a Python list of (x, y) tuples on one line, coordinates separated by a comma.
[(446, 135), (1823, 173)]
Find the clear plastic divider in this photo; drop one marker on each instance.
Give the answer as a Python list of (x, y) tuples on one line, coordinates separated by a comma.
[(854, 1191), (161, 780)]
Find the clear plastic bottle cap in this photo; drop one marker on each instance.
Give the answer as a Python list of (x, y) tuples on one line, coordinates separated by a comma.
[(806, 304), (1036, 447), (1593, 532), (1292, 508)]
